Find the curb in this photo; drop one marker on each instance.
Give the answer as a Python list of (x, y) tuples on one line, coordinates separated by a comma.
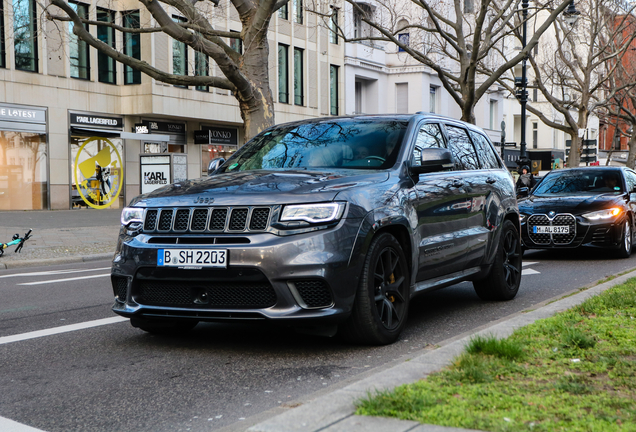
[(334, 412), (54, 261)]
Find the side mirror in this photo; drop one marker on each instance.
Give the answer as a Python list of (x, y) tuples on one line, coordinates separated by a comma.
[(523, 192), (432, 160), (214, 165)]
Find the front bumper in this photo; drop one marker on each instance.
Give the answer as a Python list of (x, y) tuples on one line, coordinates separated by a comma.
[(583, 233), (308, 277)]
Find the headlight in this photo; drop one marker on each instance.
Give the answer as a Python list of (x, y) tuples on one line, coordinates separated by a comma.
[(132, 214), (313, 213), (603, 214), (522, 218)]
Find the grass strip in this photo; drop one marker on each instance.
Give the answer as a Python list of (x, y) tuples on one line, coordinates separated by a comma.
[(575, 371)]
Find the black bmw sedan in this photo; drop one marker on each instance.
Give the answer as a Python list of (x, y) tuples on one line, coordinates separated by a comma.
[(586, 206)]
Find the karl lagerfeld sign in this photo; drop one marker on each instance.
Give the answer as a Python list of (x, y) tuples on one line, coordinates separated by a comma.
[(216, 135), (91, 120)]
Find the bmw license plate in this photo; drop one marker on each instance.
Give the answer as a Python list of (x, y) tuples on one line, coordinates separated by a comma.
[(192, 257), (549, 229)]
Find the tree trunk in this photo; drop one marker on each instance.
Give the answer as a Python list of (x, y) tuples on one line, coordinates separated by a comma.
[(631, 156), (574, 159)]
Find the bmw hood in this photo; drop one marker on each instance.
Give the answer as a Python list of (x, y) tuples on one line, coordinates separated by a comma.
[(576, 205), (260, 187)]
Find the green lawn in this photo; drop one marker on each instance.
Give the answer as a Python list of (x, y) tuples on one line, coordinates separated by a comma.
[(575, 371)]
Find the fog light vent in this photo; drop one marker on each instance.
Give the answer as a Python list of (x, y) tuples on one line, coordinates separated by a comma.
[(314, 292), (120, 287)]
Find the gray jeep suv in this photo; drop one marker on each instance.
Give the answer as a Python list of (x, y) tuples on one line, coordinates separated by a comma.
[(334, 222)]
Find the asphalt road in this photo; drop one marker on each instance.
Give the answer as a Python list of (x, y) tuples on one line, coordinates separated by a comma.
[(219, 376)]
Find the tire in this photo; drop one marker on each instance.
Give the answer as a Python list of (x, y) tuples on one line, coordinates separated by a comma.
[(626, 240), (502, 283), (163, 327), (382, 298)]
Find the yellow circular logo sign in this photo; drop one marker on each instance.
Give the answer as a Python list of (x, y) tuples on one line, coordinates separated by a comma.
[(101, 173)]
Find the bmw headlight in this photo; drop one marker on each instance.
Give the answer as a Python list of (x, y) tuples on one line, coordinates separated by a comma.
[(603, 214), (313, 213), (132, 215)]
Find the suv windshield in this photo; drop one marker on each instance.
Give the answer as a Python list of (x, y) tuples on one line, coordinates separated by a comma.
[(569, 182), (342, 143)]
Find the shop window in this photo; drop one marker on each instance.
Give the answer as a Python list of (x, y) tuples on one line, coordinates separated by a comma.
[(298, 11), (283, 12), (78, 49), (333, 89), (283, 73), (2, 53), (106, 72), (179, 54), (202, 68), (23, 186), (132, 46), (25, 35), (98, 174), (298, 76)]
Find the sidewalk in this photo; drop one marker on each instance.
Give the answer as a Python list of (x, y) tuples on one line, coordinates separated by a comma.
[(59, 236)]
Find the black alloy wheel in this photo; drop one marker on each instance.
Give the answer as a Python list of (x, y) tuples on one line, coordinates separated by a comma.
[(502, 283), (382, 300)]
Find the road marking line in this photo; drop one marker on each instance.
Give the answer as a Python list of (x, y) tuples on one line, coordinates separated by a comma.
[(7, 425), (63, 280), (526, 272), (52, 272), (61, 329), (527, 263)]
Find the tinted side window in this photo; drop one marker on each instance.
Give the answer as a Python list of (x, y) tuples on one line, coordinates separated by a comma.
[(630, 177), (462, 149), (429, 136), (487, 155)]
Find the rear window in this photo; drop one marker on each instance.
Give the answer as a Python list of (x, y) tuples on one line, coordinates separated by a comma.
[(345, 143)]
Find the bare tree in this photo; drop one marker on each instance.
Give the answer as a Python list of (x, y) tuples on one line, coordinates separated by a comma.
[(574, 66), (462, 40), (246, 74)]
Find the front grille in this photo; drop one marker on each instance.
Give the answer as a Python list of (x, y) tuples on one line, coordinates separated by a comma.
[(558, 220), (315, 293), (120, 287), (207, 219), (196, 294)]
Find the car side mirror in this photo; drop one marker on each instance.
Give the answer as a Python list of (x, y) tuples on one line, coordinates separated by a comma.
[(523, 192), (214, 165), (432, 160)]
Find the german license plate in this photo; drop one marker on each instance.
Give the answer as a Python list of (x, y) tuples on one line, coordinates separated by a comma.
[(192, 257), (550, 229)]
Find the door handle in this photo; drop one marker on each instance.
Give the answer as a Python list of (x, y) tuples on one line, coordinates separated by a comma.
[(456, 183), (490, 180)]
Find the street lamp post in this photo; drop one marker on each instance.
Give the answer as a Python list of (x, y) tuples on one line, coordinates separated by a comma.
[(571, 14)]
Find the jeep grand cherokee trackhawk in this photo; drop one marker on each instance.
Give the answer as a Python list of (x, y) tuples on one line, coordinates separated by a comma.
[(336, 221)]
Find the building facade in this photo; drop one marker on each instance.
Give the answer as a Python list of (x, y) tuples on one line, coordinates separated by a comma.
[(75, 126)]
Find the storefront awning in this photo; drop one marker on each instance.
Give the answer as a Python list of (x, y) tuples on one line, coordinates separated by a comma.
[(109, 133)]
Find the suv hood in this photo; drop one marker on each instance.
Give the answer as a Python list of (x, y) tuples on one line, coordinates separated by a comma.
[(260, 187), (568, 204)]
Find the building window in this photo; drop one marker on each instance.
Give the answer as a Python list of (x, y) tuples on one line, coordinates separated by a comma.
[(283, 73), (535, 134), (333, 89), (79, 50), (361, 28), (298, 76), (469, 6), (333, 27), (179, 54), (106, 71), (2, 53), (403, 38), (25, 35), (432, 103), (236, 43), (402, 98), (298, 11), (132, 46), (493, 114), (201, 68), (283, 12)]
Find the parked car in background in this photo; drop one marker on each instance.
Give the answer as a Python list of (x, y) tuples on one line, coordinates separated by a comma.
[(586, 206), (334, 222)]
